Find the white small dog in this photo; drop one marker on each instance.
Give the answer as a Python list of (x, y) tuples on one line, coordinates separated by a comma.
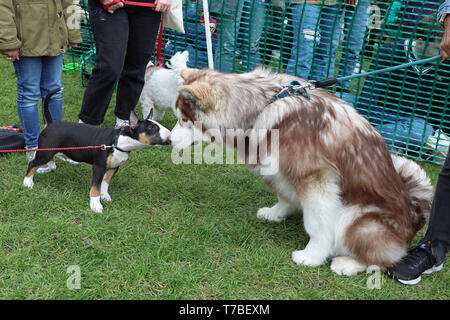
[(160, 91)]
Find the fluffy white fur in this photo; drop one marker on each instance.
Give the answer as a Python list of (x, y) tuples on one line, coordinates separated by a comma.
[(161, 85)]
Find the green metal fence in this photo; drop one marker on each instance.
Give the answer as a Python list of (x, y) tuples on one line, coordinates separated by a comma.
[(331, 38)]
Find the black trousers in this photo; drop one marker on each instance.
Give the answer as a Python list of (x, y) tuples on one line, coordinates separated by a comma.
[(438, 232), (124, 44)]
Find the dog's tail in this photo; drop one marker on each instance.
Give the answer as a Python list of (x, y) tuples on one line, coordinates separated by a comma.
[(419, 189), (47, 115), (178, 62)]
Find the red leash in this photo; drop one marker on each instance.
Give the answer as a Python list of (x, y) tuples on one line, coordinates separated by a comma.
[(159, 56), (102, 147), (141, 4)]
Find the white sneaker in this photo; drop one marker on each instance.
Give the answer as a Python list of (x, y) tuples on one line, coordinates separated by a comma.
[(122, 123), (49, 166), (438, 145)]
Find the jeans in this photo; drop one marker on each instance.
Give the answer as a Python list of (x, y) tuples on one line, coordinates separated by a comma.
[(124, 44), (402, 132), (36, 76), (241, 32), (316, 38), (355, 25)]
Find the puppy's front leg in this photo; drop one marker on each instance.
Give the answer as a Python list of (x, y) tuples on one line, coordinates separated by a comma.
[(97, 177), (104, 195)]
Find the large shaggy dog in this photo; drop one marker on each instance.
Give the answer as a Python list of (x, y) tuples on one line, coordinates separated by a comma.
[(361, 205)]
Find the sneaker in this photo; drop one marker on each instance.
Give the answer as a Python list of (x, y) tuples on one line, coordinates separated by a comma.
[(63, 157), (122, 123), (49, 166), (419, 261)]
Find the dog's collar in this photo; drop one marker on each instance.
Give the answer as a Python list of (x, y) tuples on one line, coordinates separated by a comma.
[(295, 88), (116, 140)]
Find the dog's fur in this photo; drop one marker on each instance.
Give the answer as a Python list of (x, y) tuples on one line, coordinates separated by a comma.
[(105, 163), (361, 205), (160, 89)]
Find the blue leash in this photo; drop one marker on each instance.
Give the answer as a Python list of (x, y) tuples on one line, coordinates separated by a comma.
[(297, 89), (333, 80)]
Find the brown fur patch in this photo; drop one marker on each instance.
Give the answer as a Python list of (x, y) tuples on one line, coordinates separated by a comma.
[(200, 93), (32, 172), (188, 73), (144, 138), (95, 192), (109, 175), (108, 160)]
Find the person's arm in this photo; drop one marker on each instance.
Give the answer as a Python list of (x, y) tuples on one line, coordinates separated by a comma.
[(9, 41)]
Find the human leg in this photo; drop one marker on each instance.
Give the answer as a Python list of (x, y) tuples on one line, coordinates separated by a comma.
[(305, 36)]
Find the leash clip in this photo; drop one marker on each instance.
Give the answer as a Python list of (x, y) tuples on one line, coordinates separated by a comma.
[(105, 147)]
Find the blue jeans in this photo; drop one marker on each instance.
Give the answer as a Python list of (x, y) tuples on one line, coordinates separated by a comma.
[(316, 38), (36, 76), (355, 25), (241, 32), (405, 132)]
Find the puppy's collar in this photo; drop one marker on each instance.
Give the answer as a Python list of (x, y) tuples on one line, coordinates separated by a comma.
[(116, 140)]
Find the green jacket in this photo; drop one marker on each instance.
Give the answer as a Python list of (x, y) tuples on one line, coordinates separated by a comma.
[(38, 27)]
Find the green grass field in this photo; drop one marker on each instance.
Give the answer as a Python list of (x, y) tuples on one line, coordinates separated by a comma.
[(171, 231)]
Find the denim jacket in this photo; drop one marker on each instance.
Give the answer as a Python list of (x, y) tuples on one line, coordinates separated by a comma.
[(444, 9)]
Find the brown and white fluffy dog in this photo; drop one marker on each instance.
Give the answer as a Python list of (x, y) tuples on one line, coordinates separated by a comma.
[(361, 205)]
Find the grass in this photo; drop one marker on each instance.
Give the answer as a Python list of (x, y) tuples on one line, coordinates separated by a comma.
[(171, 231)]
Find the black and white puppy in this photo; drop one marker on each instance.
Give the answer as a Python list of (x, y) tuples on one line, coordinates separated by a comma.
[(105, 162)]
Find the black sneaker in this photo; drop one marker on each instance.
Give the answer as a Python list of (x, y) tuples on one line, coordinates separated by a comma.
[(419, 261)]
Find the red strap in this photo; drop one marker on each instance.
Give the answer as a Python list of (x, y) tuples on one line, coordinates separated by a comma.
[(142, 4), (159, 45)]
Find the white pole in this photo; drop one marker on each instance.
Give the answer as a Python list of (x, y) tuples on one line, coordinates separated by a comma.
[(208, 34)]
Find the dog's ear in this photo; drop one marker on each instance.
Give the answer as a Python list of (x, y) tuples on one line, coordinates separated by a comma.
[(150, 114), (133, 120), (200, 93), (187, 73)]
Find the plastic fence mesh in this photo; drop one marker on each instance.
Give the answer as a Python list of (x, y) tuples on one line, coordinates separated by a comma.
[(317, 39)]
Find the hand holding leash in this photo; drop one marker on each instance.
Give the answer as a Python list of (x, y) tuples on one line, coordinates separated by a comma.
[(111, 5), (163, 5)]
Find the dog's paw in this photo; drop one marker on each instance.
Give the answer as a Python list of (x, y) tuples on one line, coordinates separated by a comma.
[(106, 197), (270, 214), (346, 266), (95, 204), (301, 257), (28, 182)]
